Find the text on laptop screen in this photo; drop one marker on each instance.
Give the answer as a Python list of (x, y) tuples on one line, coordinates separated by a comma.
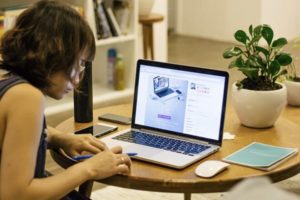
[(180, 101)]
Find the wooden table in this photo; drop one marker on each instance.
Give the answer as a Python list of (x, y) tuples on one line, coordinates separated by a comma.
[(150, 177)]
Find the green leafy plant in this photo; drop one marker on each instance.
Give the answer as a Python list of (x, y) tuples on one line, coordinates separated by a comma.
[(261, 65)]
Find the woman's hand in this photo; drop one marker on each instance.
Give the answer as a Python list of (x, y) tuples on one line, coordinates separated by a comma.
[(74, 145), (108, 163)]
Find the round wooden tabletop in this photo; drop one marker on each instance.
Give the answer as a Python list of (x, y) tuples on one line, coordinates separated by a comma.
[(151, 177)]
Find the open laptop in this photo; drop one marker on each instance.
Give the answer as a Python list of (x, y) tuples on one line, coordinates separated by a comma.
[(180, 131), (161, 88)]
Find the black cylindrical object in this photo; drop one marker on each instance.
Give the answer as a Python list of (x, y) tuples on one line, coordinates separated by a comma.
[(83, 97)]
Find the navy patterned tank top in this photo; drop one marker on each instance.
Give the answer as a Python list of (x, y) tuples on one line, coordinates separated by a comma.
[(5, 84)]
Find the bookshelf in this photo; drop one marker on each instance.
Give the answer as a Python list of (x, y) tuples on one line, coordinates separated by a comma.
[(125, 44)]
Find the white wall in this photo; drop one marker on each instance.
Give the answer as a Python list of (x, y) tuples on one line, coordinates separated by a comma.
[(160, 32), (172, 14), (219, 19), (283, 16)]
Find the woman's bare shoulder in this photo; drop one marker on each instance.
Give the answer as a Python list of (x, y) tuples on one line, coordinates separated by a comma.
[(25, 90), (23, 94)]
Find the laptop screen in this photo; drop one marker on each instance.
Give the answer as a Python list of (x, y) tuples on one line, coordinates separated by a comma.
[(180, 100)]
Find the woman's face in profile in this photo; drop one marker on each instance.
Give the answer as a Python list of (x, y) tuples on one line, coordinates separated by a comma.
[(61, 85)]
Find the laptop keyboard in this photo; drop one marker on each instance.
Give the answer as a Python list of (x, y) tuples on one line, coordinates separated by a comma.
[(165, 93), (160, 142)]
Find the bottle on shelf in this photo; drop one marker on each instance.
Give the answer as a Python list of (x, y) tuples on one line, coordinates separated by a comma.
[(111, 62), (119, 82), (2, 18)]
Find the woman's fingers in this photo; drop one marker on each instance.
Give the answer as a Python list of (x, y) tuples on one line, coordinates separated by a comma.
[(123, 159), (116, 149), (100, 145), (110, 162), (92, 145), (123, 169)]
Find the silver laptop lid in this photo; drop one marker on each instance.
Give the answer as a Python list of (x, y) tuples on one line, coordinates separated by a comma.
[(192, 103)]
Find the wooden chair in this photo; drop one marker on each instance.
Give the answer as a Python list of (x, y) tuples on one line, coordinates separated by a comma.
[(147, 22)]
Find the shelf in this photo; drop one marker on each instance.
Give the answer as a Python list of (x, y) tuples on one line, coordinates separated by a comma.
[(115, 40), (100, 95)]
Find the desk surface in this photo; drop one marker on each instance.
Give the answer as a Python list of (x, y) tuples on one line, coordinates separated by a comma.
[(146, 176)]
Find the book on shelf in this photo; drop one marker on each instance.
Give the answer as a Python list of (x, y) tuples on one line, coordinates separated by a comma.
[(261, 156), (99, 29), (102, 25), (114, 27)]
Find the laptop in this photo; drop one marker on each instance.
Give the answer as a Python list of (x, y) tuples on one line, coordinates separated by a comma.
[(182, 130), (162, 88)]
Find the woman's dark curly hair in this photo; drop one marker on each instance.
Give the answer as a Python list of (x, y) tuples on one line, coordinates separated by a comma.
[(47, 38)]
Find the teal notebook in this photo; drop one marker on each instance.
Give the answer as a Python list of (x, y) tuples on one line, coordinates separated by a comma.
[(260, 156)]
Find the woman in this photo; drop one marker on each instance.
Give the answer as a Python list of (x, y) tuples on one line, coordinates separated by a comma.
[(42, 55)]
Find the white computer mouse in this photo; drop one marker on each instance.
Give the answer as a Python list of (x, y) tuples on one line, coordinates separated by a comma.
[(210, 168)]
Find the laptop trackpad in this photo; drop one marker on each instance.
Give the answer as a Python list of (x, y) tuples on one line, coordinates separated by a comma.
[(159, 156), (141, 151)]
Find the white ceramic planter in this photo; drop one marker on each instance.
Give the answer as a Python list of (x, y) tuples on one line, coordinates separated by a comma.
[(258, 109), (293, 92), (145, 7)]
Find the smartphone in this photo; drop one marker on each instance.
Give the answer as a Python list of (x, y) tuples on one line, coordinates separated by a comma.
[(98, 130), (115, 118)]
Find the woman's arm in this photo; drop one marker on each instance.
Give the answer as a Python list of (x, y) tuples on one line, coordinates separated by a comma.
[(24, 107), (102, 165)]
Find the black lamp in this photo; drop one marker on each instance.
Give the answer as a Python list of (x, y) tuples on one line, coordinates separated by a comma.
[(83, 97)]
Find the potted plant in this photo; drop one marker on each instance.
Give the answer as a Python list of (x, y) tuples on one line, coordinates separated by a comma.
[(258, 99), (292, 82)]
